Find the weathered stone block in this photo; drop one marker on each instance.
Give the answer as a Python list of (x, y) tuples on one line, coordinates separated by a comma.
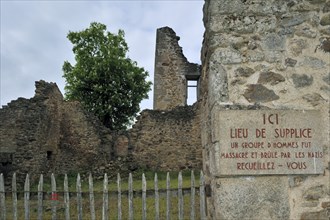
[(314, 193), (217, 82), (297, 45), (290, 62), (302, 80), (326, 79), (326, 7), (251, 198), (313, 62), (321, 215), (273, 41), (255, 56), (314, 98), (325, 20), (228, 56), (325, 205), (325, 44), (244, 72), (293, 19), (259, 93), (121, 146), (306, 32), (270, 78)]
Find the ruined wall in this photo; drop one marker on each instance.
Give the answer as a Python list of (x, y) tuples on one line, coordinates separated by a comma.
[(167, 140), (273, 54), (171, 71), (46, 134)]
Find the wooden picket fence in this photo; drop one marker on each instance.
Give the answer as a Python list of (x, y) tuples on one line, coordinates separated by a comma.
[(105, 199)]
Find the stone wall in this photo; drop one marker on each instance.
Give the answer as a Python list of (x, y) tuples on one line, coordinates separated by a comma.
[(273, 54), (172, 70), (46, 134), (167, 140)]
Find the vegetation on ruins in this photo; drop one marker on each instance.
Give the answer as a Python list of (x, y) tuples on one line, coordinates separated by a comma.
[(104, 79)]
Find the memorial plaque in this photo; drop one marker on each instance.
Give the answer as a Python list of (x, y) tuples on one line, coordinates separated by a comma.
[(263, 142)]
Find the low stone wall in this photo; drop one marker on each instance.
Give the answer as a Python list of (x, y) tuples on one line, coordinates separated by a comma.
[(167, 140)]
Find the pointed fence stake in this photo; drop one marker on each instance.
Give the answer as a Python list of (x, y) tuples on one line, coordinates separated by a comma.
[(144, 197), (105, 208), (91, 196), (192, 196), (79, 198), (2, 198), (168, 197), (156, 198), (40, 196), (130, 197), (14, 196), (119, 196), (180, 197), (202, 197), (54, 197), (27, 198), (66, 198)]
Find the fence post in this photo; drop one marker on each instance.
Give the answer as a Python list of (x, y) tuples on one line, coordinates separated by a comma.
[(192, 196), (54, 196), (79, 199), (40, 197), (168, 197), (27, 198), (144, 197), (2, 198), (91, 196), (130, 197), (156, 198), (202, 197), (119, 196), (14, 196), (105, 209), (180, 197), (66, 198)]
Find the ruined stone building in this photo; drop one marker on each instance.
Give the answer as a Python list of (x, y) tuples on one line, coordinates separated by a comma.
[(172, 72), (46, 134)]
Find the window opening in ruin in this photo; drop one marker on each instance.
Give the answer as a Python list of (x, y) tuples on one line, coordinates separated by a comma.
[(192, 86), (49, 155), (5, 163)]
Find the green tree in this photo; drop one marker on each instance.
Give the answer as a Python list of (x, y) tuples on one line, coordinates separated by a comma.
[(104, 79)]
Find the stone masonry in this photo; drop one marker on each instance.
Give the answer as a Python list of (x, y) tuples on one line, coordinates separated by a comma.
[(46, 134), (172, 70), (167, 140), (256, 56), (272, 54)]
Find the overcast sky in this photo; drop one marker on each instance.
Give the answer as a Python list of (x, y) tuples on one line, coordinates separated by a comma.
[(34, 44)]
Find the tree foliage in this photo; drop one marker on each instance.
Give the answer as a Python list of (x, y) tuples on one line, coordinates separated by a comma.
[(104, 79)]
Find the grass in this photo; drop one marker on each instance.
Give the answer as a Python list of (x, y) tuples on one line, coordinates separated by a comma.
[(112, 186), (98, 195), (113, 213)]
